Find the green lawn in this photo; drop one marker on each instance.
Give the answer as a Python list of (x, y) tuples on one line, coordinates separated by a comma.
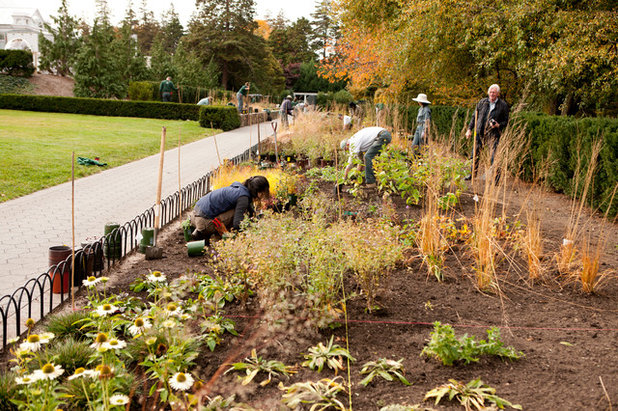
[(35, 148)]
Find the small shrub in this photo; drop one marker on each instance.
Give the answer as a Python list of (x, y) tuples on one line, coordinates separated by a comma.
[(141, 90), (16, 63), (223, 117)]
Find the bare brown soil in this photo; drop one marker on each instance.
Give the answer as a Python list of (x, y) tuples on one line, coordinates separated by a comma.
[(568, 337), (50, 85)]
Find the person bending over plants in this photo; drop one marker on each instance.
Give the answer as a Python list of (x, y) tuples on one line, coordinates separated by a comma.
[(225, 208), (366, 144)]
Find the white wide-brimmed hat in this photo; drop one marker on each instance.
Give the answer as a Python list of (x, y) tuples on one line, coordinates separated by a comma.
[(343, 143), (422, 98)]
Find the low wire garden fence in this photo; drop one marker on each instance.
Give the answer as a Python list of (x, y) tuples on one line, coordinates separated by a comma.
[(37, 298)]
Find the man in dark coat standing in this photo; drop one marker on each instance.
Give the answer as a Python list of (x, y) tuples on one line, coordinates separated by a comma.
[(491, 118)]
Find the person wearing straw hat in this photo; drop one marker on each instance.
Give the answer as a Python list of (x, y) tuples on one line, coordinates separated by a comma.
[(228, 205), (491, 117), (366, 144), (423, 118)]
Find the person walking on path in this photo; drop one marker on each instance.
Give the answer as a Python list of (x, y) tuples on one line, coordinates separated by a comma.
[(286, 110), (366, 144), (242, 93), (166, 88), (491, 117), (423, 119), (229, 205)]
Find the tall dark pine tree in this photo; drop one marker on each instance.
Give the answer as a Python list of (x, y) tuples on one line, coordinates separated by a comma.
[(324, 27), (171, 30), (58, 55), (223, 30), (147, 28)]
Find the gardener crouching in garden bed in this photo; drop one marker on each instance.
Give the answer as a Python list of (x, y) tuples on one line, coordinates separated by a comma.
[(366, 144), (227, 206)]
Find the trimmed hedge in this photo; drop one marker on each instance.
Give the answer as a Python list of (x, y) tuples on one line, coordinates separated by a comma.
[(16, 63), (100, 107), (223, 117), (149, 91)]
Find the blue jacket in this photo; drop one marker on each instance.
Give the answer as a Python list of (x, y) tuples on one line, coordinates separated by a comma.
[(221, 200)]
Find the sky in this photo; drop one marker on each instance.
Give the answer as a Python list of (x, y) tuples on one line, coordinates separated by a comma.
[(86, 9)]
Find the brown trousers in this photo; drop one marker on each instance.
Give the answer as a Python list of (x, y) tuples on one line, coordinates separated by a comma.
[(205, 227)]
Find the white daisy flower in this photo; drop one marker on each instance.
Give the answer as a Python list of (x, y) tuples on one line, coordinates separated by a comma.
[(26, 379), (100, 340), (13, 340), (91, 281), (181, 381), (49, 372), (156, 276), (140, 325), (115, 344), (81, 372), (104, 279), (151, 340), (172, 309), (169, 324), (46, 337), (32, 343), (106, 309), (118, 399)]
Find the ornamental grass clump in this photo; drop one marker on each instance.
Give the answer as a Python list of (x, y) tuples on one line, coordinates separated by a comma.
[(315, 134)]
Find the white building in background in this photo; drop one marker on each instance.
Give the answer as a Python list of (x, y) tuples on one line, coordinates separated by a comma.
[(20, 28)]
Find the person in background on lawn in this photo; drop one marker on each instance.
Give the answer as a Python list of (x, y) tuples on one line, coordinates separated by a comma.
[(166, 88), (366, 144), (423, 118), (491, 116), (229, 205), (242, 93), (286, 109)]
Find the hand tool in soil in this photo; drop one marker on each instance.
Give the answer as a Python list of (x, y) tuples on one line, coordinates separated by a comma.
[(219, 226)]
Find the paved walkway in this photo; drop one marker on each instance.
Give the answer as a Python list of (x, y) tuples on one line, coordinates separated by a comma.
[(33, 223)]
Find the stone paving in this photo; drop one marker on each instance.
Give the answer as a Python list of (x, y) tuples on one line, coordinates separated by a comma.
[(31, 224)]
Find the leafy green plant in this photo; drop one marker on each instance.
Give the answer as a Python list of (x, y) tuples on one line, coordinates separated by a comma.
[(215, 326), (448, 349), (254, 365), (322, 395), (331, 355), (8, 389), (384, 368), (473, 394)]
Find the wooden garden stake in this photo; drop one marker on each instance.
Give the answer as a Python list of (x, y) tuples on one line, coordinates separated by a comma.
[(250, 140), (258, 144), (73, 232), (274, 126), (159, 181), (214, 137), (474, 148), (179, 185)]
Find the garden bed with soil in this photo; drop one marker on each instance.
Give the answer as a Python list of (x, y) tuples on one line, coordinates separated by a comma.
[(568, 337)]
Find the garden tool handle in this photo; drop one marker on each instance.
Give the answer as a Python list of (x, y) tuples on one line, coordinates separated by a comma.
[(219, 226)]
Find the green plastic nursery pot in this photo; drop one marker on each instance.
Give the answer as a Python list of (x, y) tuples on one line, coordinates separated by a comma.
[(196, 248), (187, 233), (112, 247), (147, 239)]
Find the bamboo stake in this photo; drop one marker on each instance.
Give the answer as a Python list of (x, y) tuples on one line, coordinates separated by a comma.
[(258, 137), (73, 232), (476, 113), (159, 181), (214, 137), (250, 139), (274, 126), (179, 184)]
